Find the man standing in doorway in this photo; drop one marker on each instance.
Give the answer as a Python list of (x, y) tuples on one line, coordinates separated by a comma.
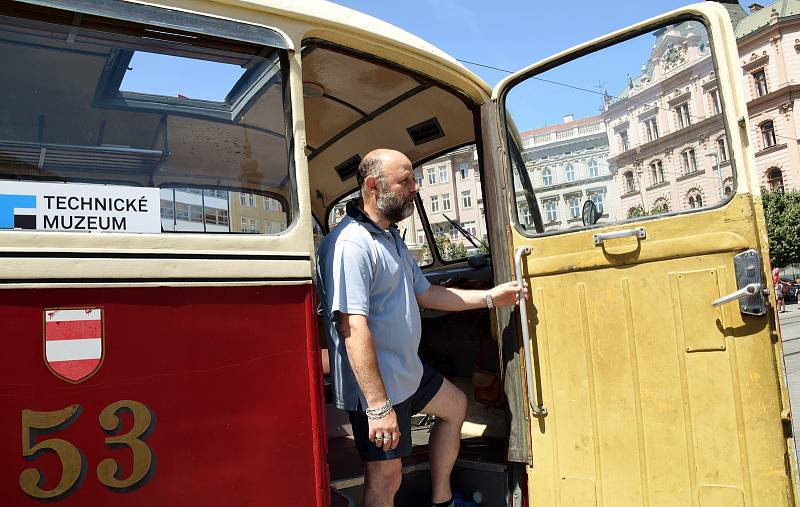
[(371, 289)]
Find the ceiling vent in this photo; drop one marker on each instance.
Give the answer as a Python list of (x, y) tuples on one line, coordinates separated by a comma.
[(425, 131), (348, 168)]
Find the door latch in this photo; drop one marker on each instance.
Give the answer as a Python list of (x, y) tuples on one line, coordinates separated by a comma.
[(749, 284)]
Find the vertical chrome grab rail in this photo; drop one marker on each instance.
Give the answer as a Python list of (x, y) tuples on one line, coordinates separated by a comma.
[(540, 410)]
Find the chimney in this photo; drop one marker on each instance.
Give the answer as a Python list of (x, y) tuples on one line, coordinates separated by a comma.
[(755, 8), (568, 118)]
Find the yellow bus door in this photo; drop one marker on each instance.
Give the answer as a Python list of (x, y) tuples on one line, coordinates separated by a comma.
[(654, 371)]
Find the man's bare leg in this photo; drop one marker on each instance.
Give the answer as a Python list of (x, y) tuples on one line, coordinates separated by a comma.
[(450, 408), (382, 480)]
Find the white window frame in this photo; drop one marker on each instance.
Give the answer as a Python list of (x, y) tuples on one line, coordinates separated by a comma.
[(444, 177), (466, 199)]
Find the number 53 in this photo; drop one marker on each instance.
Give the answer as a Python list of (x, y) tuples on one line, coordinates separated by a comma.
[(72, 459)]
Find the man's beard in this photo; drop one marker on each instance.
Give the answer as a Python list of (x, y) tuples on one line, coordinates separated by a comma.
[(395, 207)]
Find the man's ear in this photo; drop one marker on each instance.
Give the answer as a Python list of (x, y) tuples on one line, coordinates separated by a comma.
[(371, 183)]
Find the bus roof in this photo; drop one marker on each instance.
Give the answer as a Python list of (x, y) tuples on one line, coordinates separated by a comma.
[(325, 14)]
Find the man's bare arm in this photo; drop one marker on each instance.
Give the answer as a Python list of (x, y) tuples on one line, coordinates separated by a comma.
[(361, 352), (453, 300)]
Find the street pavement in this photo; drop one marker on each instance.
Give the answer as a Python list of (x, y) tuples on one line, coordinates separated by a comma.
[(790, 335)]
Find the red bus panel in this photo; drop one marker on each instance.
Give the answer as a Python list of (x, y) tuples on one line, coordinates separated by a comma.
[(204, 396)]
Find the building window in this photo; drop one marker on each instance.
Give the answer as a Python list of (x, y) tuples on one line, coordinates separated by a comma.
[(438, 230), (716, 106), (249, 225), (682, 111), (418, 179), (443, 177), (775, 179), (420, 237), (657, 172), (574, 207), (768, 134), (630, 182), (246, 199), (434, 204), (695, 199), (661, 206), (727, 186), (470, 228), (453, 232), (547, 177), (593, 168), (597, 199), (431, 176), (466, 199), (463, 170), (689, 161), (550, 211), (722, 150), (651, 126), (167, 209), (623, 138), (525, 212), (569, 172), (445, 202), (760, 82)]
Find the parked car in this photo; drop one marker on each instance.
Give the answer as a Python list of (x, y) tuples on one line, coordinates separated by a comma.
[(793, 294)]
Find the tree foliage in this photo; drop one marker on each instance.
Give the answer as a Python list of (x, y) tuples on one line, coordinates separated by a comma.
[(639, 211), (782, 212), (449, 250)]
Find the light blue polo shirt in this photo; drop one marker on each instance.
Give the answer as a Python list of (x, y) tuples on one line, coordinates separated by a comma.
[(365, 270)]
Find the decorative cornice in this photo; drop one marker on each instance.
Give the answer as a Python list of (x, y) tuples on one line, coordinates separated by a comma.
[(690, 175), (771, 149), (755, 61)]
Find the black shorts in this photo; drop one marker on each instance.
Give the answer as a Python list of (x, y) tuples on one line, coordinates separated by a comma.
[(428, 387)]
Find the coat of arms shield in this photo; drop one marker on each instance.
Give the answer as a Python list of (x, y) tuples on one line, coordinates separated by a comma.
[(73, 342)]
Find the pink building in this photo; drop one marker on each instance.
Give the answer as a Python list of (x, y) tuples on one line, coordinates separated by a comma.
[(668, 149)]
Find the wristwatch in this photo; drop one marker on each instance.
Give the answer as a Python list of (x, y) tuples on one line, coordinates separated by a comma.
[(489, 300)]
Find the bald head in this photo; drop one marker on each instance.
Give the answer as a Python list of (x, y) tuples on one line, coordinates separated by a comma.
[(388, 188), (374, 163)]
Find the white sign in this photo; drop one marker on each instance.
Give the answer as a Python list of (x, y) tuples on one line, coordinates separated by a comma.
[(78, 207)]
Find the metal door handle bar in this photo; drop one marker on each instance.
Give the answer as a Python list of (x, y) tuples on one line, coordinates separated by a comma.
[(639, 232), (746, 291), (523, 313)]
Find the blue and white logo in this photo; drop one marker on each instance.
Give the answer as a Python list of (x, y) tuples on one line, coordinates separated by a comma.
[(9, 219)]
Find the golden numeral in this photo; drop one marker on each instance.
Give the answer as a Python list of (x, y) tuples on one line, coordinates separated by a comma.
[(71, 459), (108, 469)]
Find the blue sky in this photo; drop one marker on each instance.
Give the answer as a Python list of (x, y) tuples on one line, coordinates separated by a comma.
[(513, 33)]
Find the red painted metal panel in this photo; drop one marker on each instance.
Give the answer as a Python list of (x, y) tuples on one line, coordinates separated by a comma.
[(230, 374)]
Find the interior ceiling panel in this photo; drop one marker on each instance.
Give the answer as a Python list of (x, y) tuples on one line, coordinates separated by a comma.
[(325, 119), (363, 84)]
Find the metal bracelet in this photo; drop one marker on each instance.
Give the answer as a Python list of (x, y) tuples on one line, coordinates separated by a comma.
[(375, 417), (489, 300), (380, 411)]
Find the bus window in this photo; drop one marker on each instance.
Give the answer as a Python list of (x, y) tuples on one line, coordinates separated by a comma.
[(450, 191), (412, 229), (641, 135), (196, 124)]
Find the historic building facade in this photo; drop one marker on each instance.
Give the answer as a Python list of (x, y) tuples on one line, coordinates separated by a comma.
[(567, 165), (668, 149), (450, 188)]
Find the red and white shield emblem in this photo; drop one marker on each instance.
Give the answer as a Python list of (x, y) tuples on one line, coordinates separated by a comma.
[(73, 342)]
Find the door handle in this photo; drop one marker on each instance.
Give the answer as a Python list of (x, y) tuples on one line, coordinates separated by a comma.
[(539, 410), (639, 232), (748, 290)]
